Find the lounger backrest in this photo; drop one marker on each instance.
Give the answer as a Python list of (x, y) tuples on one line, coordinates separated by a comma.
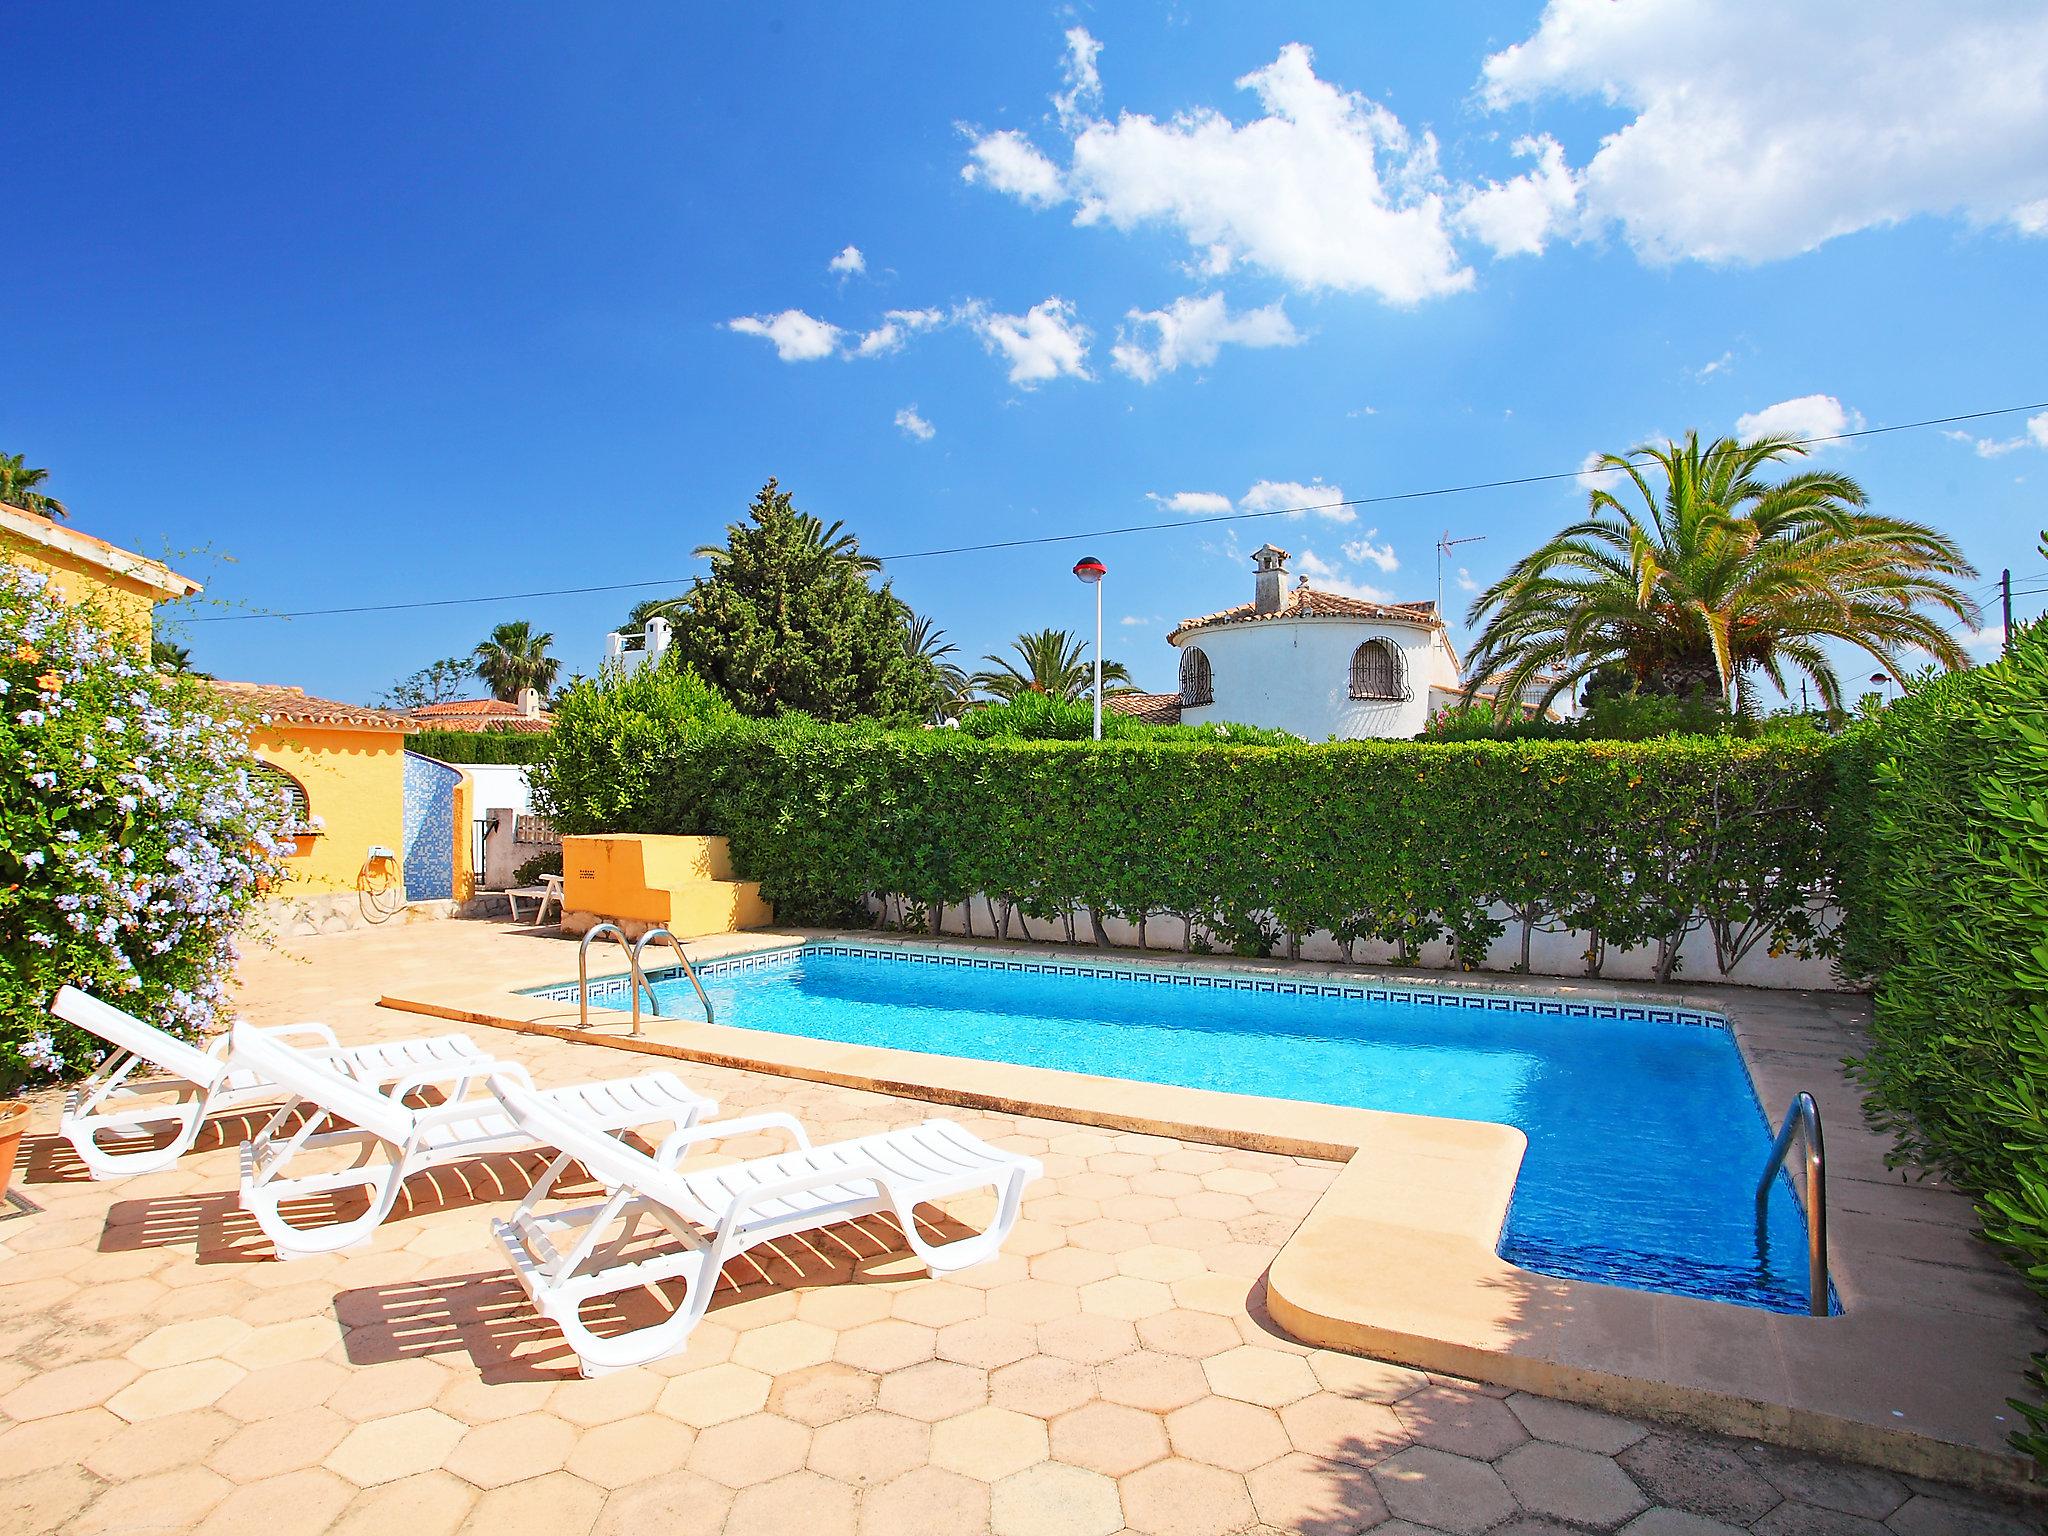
[(315, 1081), (156, 1046), (607, 1159)]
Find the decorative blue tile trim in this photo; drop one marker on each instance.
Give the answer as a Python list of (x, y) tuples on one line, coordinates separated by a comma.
[(1492, 1002)]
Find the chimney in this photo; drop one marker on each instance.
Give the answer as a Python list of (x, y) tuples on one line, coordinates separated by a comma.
[(529, 703), (1271, 590)]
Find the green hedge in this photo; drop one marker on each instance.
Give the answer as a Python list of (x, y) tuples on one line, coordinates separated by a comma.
[(479, 746), (1638, 844), (1946, 888)]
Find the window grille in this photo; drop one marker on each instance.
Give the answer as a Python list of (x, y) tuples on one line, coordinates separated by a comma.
[(1376, 672), (1195, 685)]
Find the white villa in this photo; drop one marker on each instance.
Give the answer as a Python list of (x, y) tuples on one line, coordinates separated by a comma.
[(1319, 664)]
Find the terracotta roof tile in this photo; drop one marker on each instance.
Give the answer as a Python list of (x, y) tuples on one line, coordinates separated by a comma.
[(1312, 603), (295, 706), (478, 715), (1151, 708)]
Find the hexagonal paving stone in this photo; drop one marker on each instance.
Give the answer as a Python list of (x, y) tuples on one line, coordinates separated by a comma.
[(305, 1338), (1569, 1484), (1254, 1374), (674, 1504), (1450, 1493), (1232, 1435), (1109, 1438), (988, 1443), (752, 1450), (1157, 1383), (936, 1304), (937, 1389), (1313, 1497), (1042, 1385), (48, 1500), (1088, 1339), (823, 1393), (844, 1307), (714, 1395), (196, 1339), (157, 1445), (167, 1501), (286, 1442), (281, 1388), (1033, 1301), (887, 1345), (1197, 1335), (509, 1450), (783, 1347), (1127, 1297), (870, 1449), (1664, 1521), (629, 1451), (1835, 1485), (1052, 1499), (928, 1501), (1930, 1514), (1792, 1518), (1587, 1429), (1698, 1475), (1374, 1381), (175, 1389), (1462, 1422), (398, 1386), (386, 1449), (986, 1342), (542, 1506), (475, 1401), (298, 1501), (604, 1399), (1343, 1429), (58, 1440), (1185, 1498), (425, 1504), (797, 1501)]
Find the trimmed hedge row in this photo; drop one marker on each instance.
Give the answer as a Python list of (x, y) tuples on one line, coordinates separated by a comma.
[(1638, 844), (479, 746), (1947, 896)]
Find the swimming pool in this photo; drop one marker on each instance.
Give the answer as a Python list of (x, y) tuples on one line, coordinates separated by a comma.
[(1645, 1135)]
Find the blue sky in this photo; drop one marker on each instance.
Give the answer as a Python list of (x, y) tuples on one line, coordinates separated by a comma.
[(393, 303)]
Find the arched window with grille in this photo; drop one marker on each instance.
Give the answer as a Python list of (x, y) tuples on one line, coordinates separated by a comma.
[(1195, 687), (274, 783), (1376, 671)]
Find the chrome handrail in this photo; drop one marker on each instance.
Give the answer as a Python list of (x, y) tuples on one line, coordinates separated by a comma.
[(689, 970), (1802, 1120), (583, 972)]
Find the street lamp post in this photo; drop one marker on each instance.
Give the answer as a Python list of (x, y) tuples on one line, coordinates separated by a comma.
[(1092, 570)]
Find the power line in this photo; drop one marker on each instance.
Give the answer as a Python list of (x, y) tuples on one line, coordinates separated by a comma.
[(1096, 533)]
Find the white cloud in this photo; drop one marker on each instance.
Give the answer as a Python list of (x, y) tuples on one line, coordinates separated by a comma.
[(1720, 364), (1364, 551), (1192, 330), (1465, 581), (1988, 641), (1327, 189), (798, 337), (914, 425), (896, 327), (1364, 410), (1807, 416), (1759, 130), (2035, 436), (1043, 343), (1084, 79), (1518, 217), (1009, 162), (849, 262), (1194, 503), (1330, 578), (1297, 498), (1132, 621)]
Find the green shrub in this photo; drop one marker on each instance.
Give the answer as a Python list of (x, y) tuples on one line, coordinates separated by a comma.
[(1943, 800), (479, 746), (133, 838), (1042, 717), (546, 862), (616, 751), (1399, 842)]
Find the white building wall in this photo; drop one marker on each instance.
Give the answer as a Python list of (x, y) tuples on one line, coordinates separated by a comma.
[(1295, 675)]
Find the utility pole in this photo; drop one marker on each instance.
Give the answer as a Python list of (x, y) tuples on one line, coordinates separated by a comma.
[(1444, 546), (2005, 609)]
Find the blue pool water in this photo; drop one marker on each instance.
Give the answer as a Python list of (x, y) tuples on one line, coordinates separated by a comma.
[(1645, 1136)]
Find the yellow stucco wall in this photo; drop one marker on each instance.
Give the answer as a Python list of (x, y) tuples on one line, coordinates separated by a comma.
[(355, 782), (119, 601)]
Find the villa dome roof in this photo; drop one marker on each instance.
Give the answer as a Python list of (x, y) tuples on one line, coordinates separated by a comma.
[(1306, 602)]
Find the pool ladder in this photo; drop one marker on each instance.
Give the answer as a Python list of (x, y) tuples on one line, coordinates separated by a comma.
[(1802, 1121), (637, 974)]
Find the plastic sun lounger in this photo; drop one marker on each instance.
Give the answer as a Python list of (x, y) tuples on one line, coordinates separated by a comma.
[(200, 1082), (395, 1140), (563, 1259)]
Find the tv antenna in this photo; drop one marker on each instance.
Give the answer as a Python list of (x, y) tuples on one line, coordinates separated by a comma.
[(1444, 546)]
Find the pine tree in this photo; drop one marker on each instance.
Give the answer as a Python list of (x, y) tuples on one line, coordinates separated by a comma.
[(787, 621)]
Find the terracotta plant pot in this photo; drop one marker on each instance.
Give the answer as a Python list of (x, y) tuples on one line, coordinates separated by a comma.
[(13, 1121)]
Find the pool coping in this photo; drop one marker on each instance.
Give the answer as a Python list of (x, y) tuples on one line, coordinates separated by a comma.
[(1397, 1258)]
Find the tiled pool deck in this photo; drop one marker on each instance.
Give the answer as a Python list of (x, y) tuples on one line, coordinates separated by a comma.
[(1115, 1369)]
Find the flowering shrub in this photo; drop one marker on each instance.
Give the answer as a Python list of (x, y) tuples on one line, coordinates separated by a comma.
[(133, 836)]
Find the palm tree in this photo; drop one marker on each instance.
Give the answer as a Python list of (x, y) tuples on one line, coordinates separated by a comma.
[(169, 656), (1719, 576), (18, 488), (923, 642), (1055, 662), (514, 657), (819, 545)]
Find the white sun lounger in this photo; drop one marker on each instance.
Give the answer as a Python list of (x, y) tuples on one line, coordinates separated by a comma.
[(563, 1259), (196, 1083), (395, 1140)]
